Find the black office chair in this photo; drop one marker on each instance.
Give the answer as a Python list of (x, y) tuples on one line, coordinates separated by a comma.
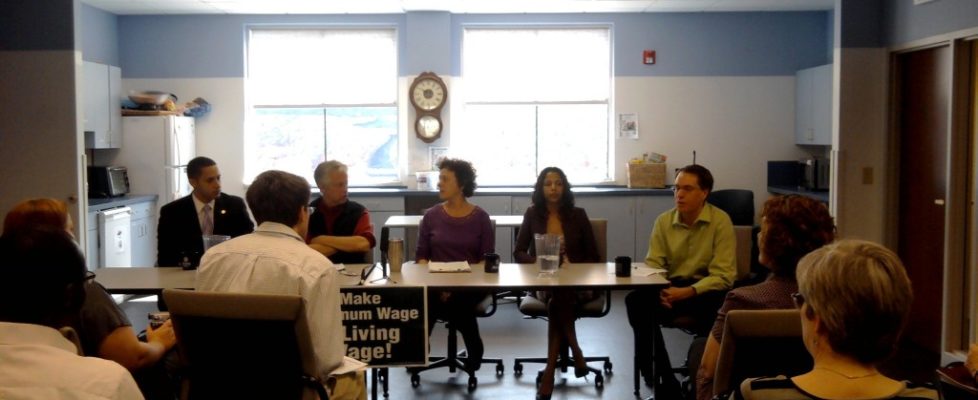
[(596, 308), (737, 203), (454, 359), (217, 333)]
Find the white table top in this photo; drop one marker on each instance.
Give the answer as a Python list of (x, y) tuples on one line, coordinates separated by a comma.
[(511, 276), (412, 221)]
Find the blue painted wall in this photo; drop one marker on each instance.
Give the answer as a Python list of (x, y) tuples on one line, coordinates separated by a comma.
[(99, 36), (37, 25), (904, 22), (687, 44)]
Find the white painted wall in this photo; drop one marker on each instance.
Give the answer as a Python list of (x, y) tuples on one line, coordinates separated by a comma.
[(736, 124)]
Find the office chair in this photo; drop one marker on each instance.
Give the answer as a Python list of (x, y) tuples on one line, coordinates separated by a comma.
[(454, 359), (596, 308), (739, 205), (744, 236), (956, 382), (237, 345), (759, 343)]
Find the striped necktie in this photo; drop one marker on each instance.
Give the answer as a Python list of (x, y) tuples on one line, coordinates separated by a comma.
[(208, 228)]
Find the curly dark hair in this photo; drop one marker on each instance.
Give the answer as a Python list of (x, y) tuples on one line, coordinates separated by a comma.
[(464, 174), (566, 199), (793, 226)]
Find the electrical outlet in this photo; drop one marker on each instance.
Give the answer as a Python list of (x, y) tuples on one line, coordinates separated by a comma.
[(867, 175)]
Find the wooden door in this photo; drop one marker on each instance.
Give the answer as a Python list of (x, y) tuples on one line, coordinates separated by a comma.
[(923, 85)]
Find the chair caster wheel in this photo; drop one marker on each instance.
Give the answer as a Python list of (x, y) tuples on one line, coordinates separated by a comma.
[(607, 367), (415, 380), (518, 369), (599, 382), (473, 383), (500, 369)]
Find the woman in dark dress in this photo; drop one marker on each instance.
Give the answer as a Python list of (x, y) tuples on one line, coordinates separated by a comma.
[(553, 212)]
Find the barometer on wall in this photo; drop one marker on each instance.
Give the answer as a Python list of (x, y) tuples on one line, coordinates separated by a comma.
[(428, 94)]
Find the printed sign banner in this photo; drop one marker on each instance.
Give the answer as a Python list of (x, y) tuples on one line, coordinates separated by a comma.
[(386, 325)]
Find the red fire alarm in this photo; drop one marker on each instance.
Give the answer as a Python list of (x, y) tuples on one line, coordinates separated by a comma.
[(648, 57)]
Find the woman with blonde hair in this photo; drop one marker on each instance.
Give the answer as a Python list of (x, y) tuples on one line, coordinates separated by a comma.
[(854, 298)]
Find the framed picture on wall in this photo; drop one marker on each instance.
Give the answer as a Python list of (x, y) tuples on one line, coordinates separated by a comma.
[(628, 125), (435, 154)]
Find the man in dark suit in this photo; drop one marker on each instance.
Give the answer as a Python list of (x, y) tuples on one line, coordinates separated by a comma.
[(205, 211)]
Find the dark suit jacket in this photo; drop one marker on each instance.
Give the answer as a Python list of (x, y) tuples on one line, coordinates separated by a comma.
[(178, 234), (578, 236)]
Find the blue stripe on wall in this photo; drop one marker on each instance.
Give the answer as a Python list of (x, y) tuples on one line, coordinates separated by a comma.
[(209, 46), (37, 25), (687, 44), (99, 36), (905, 22), (694, 44)]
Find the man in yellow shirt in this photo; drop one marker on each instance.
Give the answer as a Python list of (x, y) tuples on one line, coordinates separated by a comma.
[(694, 242)]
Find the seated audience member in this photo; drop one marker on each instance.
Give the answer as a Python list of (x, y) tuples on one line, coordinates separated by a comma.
[(855, 299), (553, 212), (791, 227), (456, 230), (205, 211), (103, 328), (276, 260), (41, 291), (339, 228), (694, 242)]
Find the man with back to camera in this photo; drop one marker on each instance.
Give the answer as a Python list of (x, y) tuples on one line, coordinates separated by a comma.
[(205, 211), (340, 229), (694, 242), (42, 290), (276, 260)]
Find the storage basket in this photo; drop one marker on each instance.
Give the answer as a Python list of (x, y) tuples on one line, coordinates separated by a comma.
[(646, 175)]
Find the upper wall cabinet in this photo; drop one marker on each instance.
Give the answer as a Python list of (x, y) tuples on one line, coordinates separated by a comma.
[(103, 115), (813, 106)]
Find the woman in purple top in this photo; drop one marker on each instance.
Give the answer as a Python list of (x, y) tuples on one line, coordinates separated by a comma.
[(791, 227), (456, 230), (553, 212)]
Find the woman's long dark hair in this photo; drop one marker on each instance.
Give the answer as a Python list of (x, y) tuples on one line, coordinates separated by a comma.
[(566, 198)]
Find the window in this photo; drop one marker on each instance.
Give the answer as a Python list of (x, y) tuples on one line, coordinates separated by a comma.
[(316, 94), (535, 98)]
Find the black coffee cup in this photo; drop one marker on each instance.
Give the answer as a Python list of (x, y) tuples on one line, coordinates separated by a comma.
[(623, 266), (492, 262)]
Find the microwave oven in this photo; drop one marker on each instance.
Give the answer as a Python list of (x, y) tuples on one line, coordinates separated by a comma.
[(815, 175), (107, 181)]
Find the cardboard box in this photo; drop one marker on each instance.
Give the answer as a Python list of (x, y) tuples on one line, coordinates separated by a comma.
[(646, 175)]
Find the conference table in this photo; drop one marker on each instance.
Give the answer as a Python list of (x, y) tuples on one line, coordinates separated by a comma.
[(510, 277), (412, 221)]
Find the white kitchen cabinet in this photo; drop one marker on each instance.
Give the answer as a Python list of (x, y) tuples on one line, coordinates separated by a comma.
[(647, 209), (813, 106), (620, 213), (381, 208), (142, 231), (101, 98)]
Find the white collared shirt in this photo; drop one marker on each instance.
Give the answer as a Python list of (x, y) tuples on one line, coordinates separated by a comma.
[(36, 362), (276, 260), (199, 206)]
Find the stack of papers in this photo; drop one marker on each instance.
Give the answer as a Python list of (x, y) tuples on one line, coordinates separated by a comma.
[(641, 269), (454, 266)]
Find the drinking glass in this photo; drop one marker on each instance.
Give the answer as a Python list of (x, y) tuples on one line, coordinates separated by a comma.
[(548, 252)]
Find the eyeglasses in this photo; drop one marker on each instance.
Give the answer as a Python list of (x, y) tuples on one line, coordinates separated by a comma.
[(89, 275), (798, 298)]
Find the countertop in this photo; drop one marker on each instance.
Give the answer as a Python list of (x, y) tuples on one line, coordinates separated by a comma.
[(511, 191), (113, 202), (822, 196)]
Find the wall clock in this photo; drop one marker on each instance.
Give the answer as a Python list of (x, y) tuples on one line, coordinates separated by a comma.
[(428, 95)]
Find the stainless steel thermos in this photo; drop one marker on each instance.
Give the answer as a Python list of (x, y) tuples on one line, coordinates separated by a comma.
[(395, 254)]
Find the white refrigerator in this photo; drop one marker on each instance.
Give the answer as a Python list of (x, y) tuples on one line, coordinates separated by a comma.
[(156, 151)]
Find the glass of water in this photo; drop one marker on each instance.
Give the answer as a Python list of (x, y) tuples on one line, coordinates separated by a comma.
[(548, 252)]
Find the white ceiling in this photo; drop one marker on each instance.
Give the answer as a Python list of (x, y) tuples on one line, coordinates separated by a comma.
[(136, 7)]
